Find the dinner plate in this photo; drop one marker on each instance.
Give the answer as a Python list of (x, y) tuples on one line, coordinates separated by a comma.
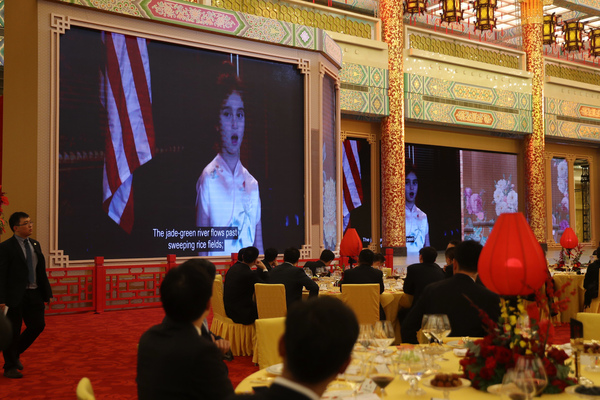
[(275, 369), (336, 394), (465, 383), (571, 390)]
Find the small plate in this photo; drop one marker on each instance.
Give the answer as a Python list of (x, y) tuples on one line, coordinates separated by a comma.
[(456, 344), (465, 383), (275, 369), (571, 390), (495, 389)]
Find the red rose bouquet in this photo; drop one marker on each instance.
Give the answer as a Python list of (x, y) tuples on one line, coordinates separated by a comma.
[(520, 332)]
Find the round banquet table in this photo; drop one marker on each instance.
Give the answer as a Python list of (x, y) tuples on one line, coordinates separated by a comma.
[(575, 304), (398, 387), (390, 301)]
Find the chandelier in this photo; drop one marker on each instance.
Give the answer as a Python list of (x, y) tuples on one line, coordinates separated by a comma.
[(573, 35), (415, 6), (550, 22), (594, 37), (451, 11), (485, 14)]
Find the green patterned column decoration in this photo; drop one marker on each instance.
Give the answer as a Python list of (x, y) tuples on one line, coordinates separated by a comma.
[(392, 132)]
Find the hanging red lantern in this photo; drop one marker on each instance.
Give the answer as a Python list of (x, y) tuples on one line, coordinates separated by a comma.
[(569, 240), (351, 244), (512, 261)]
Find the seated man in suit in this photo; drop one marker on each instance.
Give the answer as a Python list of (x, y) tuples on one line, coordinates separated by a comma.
[(174, 360), (325, 260), (365, 273), (378, 261), (590, 282), (317, 345), (238, 287), (455, 297), (422, 274), (449, 267), (292, 277)]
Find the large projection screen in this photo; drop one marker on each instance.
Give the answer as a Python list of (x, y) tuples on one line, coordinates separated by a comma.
[(155, 209)]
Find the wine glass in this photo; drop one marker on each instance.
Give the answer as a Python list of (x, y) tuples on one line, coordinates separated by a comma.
[(441, 327), (427, 326), (412, 367), (530, 376), (365, 336), (308, 272), (383, 334), (382, 372), (356, 373)]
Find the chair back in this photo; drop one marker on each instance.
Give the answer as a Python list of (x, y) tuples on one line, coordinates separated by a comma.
[(84, 390), (218, 305), (270, 300), (363, 299), (219, 277), (268, 333), (591, 325), (387, 271)]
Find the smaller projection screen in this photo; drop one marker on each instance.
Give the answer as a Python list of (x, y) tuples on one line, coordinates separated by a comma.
[(456, 194), (168, 149)]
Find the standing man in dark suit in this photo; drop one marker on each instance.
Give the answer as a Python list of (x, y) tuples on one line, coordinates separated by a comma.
[(313, 328), (175, 361), (453, 297), (293, 278), (365, 273), (238, 287), (24, 288), (325, 260)]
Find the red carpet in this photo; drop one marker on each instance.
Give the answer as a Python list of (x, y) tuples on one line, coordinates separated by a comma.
[(102, 347)]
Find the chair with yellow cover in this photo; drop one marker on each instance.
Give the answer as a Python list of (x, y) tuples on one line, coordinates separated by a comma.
[(268, 333), (270, 300), (595, 304), (240, 337), (363, 299), (84, 390), (591, 325), (386, 271)]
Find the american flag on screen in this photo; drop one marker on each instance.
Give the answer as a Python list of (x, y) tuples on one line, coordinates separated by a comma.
[(129, 130), (352, 191)]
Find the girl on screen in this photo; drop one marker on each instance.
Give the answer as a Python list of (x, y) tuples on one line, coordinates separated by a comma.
[(227, 195), (417, 226)]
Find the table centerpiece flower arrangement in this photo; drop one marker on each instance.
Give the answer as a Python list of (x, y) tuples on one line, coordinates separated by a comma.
[(569, 259), (520, 332)]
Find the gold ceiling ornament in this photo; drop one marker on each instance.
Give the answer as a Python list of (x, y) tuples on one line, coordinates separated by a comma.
[(594, 36), (451, 11), (572, 30), (548, 2), (550, 22), (415, 6), (484, 11)]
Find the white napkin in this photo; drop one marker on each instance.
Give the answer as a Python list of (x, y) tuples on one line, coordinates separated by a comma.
[(460, 352)]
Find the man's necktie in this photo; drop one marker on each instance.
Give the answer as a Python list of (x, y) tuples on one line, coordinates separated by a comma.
[(29, 261)]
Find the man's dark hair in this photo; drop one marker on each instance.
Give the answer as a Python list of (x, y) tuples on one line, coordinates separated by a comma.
[(429, 254), (291, 255), (366, 256), (241, 254), (327, 255), (250, 255), (454, 242), (185, 292), (467, 255), (203, 264), (15, 218), (318, 326), (450, 253), (379, 258), (271, 254)]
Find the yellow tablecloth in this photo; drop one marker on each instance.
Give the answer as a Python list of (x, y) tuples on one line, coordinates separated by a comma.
[(575, 304), (397, 389), (390, 300)]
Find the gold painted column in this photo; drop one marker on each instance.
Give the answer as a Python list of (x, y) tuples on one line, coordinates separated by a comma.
[(532, 24), (392, 132)]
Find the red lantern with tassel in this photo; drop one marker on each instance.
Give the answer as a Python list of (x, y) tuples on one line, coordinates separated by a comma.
[(512, 261), (569, 240), (351, 245)]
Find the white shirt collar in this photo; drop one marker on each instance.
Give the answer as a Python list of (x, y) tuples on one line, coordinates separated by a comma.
[(296, 387)]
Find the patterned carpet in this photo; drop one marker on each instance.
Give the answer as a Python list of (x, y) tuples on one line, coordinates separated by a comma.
[(102, 347)]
